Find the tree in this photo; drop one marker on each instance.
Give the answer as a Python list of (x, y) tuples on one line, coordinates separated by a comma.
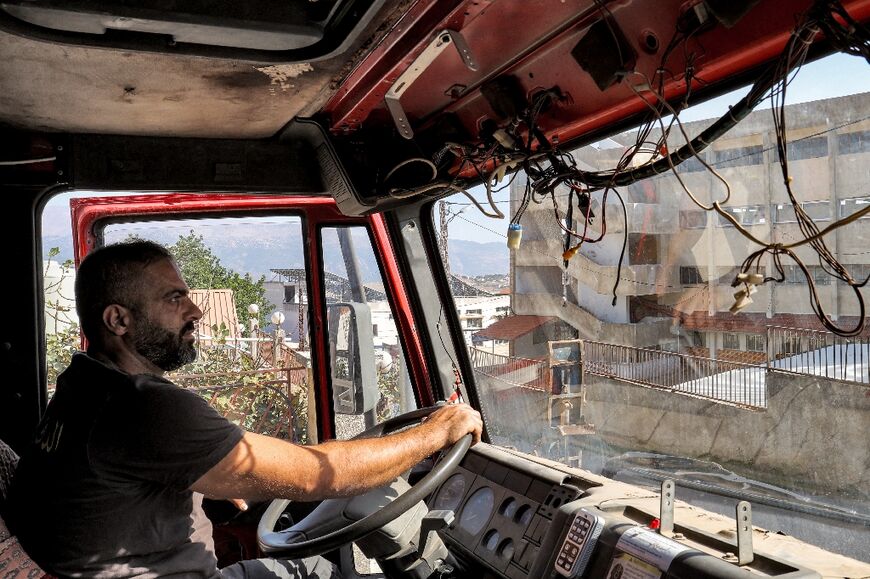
[(202, 269)]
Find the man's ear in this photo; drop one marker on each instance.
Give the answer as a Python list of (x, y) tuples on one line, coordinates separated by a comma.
[(116, 319)]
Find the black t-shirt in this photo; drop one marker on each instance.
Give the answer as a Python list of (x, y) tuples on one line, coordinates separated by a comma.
[(103, 491)]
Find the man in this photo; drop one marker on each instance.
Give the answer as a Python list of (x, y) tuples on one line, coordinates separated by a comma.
[(112, 486)]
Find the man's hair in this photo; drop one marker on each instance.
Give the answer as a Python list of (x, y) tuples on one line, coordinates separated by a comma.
[(112, 275)]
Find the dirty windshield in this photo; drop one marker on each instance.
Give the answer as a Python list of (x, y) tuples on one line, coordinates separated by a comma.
[(634, 332)]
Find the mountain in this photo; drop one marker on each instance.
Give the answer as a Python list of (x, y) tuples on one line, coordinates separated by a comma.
[(470, 258), (257, 248)]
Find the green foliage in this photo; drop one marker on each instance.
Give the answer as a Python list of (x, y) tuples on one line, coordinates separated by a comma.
[(263, 400), (202, 269), (65, 340), (389, 404)]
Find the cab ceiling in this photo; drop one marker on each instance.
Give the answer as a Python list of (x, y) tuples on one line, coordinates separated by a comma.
[(61, 88)]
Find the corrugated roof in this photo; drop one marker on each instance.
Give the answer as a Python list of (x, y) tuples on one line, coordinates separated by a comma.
[(218, 306), (512, 327)]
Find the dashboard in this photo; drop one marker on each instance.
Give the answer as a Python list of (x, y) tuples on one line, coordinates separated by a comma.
[(518, 518)]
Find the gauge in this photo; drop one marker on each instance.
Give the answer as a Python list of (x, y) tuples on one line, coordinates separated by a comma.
[(509, 507), (477, 510), (450, 495), (490, 540), (524, 515)]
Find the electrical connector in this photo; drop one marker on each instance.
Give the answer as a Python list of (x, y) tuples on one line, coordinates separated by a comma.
[(570, 252), (742, 298), (514, 235)]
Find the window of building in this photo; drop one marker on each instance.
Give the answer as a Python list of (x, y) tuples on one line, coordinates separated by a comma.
[(755, 343), (817, 210), (810, 148), (289, 294), (374, 329), (474, 323), (692, 165), (693, 219), (746, 215), (689, 275), (855, 142), (859, 271), (791, 344), (850, 206), (473, 312), (731, 341), (738, 156), (793, 274), (643, 249)]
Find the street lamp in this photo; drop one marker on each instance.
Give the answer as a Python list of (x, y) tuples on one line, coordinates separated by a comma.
[(277, 319)]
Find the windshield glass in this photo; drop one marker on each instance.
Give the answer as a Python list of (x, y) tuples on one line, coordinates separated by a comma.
[(605, 338)]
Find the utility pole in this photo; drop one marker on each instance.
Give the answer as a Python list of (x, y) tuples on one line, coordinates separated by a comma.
[(442, 237)]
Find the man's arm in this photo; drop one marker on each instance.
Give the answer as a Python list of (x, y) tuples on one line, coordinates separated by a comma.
[(261, 467)]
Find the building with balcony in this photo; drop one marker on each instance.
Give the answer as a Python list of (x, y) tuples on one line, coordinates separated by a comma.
[(674, 287)]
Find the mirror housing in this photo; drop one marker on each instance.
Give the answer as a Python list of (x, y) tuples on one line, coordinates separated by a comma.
[(352, 358)]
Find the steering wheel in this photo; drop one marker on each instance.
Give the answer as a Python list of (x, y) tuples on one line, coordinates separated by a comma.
[(285, 545)]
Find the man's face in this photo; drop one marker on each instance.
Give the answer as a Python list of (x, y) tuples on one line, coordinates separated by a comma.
[(165, 318)]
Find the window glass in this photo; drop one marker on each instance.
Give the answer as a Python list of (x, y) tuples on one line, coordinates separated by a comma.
[(730, 341), (253, 361), (747, 215), (850, 206), (738, 156), (370, 382), (658, 366), (809, 148), (853, 142), (817, 210)]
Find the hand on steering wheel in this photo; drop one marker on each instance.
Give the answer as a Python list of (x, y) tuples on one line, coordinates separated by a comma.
[(287, 545)]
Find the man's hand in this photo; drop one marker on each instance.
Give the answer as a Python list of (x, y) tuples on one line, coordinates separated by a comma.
[(261, 467), (453, 421)]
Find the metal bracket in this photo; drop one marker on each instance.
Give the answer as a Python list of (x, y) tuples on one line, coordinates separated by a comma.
[(433, 521), (441, 41), (666, 510), (745, 554)]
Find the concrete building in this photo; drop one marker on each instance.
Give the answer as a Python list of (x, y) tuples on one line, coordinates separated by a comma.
[(674, 287)]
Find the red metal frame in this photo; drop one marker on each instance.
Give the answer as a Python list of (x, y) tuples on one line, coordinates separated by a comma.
[(89, 213), (532, 40)]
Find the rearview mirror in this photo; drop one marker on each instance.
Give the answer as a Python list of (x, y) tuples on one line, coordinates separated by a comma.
[(352, 358)]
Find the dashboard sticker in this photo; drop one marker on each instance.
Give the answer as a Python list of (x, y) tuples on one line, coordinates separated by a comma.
[(650, 547), (624, 566)]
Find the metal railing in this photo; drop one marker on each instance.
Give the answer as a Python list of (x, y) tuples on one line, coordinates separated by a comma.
[(818, 353), (520, 371), (731, 382)]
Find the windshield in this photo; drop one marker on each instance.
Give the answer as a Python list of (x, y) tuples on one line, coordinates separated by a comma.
[(600, 327)]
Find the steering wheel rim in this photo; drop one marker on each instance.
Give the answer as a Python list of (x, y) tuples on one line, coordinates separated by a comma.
[(273, 543)]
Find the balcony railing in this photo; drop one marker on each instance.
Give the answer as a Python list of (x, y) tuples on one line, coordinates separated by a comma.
[(524, 372), (819, 353), (730, 382)]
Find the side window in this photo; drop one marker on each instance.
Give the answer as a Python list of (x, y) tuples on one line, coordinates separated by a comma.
[(369, 378), (252, 354)]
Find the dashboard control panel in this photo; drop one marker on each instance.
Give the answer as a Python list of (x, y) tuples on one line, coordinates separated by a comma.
[(516, 518), (579, 544)]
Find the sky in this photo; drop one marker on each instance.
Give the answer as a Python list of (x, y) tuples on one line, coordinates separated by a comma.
[(834, 76)]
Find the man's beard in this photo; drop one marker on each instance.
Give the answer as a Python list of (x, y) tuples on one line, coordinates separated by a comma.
[(164, 349)]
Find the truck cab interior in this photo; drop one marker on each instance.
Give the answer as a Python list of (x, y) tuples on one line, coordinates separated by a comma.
[(666, 337)]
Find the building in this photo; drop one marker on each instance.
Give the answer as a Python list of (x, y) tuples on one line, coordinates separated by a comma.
[(674, 288)]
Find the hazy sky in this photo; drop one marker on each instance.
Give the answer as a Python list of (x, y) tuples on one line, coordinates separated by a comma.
[(834, 76)]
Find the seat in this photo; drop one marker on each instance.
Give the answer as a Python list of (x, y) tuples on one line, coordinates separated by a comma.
[(14, 562)]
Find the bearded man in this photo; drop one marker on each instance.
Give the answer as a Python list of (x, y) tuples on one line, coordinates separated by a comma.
[(112, 485)]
